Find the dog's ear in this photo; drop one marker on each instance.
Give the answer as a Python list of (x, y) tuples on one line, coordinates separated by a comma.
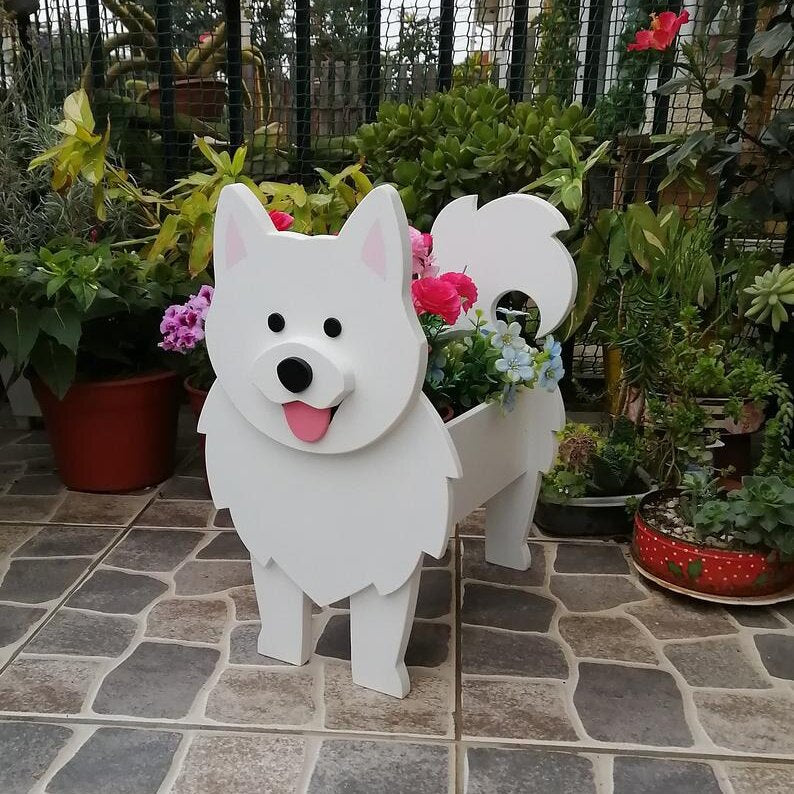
[(241, 226), (377, 230)]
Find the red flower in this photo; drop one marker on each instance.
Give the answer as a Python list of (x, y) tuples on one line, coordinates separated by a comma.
[(664, 29), (281, 220), (436, 296), (464, 286)]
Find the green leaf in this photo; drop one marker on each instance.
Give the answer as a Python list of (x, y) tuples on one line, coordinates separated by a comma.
[(694, 569), (63, 325), (19, 329), (675, 569), (54, 364), (768, 43)]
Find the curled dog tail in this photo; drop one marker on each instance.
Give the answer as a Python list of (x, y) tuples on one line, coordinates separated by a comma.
[(509, 244)]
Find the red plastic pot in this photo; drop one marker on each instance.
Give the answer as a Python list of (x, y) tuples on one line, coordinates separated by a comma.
[(196, 399), (702, 568), (114, 435), (203, 98)]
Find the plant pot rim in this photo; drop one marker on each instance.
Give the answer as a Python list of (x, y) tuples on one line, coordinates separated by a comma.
[(191, 389), (618, 500), (192, 79), (113, 383)]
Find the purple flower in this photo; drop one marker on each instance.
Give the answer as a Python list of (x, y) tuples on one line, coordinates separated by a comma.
[(182, 326)]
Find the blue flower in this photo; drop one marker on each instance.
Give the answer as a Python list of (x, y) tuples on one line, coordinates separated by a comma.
[(552, 347), (435, 368), (550, 373), (515, 364), (507, 336)]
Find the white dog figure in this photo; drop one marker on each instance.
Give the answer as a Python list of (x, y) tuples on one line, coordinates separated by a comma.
[(338, 472)]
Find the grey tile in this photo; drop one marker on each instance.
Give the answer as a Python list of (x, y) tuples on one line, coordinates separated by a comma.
[(777, 654), (356, 767), (158, 680), (716, 663), (756, 778), (92, 508), (27, 508), (239, 764), (12, 537), (756, 617), (435, 594), (225, 546), (617, 703), (506, 608), (67, 542), (496, 771), (40, 580), (181, 487), (223, 519), (586, 593), (201, 577), (176, 513), (47, 686), (590, 558), (606, 637), (154, 550), (27, 749), (662, 776), (487, 652), (16, 622), (242, 646), (118, 761), (475, 566), (15, 453), (474, 523), (245, 605), (670, 617), (117, 591), (84, 634), (429, 561), (194, 620), (37, 485)]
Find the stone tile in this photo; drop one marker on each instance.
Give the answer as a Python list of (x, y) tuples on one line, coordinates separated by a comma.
[(245, 606), (585, 593), (492, 770), (158, 680), (506, 608), (67, 542), (223, 519), (84, 634), (761, 722), (12, 537), (9, 435), (193, 620), (786, 609), (35, 437), (27, 749), (617, 703), (473, 524), (590, 558), (239, 764), (154, 550), (487, 652), (475, 566), (116, 591), (246, 696), (663, 776), (670, 617), (435, 594), (118, 761), (606, 637), (175, 513), (756, 617), (27, 508), (356, 767), (516, 710), (242, 646), (47, 686), (428, 561), (428, 645), (777, 654), (718, 663), (426, 710), (37, 485), (93, 508), (205, 576), (15, 453), (40, 580), (757, 778), (225, 546), (16, 622), (181, 487)]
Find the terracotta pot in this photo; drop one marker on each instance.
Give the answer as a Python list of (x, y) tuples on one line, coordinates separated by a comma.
[(196, 398), (751, 419), (702, 568), (203, 98), (114, 435), (447, 413)]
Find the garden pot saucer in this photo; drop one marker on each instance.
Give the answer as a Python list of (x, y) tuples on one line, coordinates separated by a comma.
[(786, 594)]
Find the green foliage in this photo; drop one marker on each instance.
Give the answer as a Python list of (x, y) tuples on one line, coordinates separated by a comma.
[(469, 140), (554, 66), (771, 292)]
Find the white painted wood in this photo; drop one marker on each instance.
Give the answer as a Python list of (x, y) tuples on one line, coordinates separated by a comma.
[(342, 491)]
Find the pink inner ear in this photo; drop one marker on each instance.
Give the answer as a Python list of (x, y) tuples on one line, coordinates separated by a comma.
[(374, 250), (235, 247)]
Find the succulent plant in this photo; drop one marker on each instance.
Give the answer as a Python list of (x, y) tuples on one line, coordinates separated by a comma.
[(771, 293)]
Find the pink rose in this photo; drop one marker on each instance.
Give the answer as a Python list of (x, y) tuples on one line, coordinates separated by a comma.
[(433, 296), (281, 220), (421, 256), (464, 286)]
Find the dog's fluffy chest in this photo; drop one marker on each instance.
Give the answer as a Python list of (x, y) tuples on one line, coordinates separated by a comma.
[(334, 523)]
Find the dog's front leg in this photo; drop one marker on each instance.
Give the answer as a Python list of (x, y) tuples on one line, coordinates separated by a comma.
[(286, 615), (380, 626), (507, 519)]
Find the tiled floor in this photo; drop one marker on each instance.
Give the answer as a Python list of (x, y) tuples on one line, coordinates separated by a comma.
[(128, 665)]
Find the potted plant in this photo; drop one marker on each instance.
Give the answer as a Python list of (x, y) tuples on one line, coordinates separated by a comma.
[(596, 476), (81, 320), (737, 544)]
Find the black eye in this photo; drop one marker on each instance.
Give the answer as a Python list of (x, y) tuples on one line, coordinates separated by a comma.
[(332, 327), (275, 322)]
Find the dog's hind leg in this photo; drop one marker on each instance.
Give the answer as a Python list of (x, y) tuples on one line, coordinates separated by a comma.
[(507, 519), (286, 614), (379, 630)]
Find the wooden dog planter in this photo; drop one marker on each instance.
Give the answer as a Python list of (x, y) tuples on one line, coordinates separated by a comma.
[(338, 472)]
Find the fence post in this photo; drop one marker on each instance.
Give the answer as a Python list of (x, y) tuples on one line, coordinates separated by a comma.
[(303, 89), (95, 44), (165, 82), (594, 47), (446, 44), (518, 53), (372, 62), (234, 71)]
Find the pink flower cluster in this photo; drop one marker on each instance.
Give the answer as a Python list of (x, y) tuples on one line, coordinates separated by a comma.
[(446, 295), (422, 253), (182, 326)]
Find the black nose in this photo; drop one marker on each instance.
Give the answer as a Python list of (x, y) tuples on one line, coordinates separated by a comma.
[(295, 374)]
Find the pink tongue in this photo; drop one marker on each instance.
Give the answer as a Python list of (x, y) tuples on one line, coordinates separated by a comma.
[(305, 422)]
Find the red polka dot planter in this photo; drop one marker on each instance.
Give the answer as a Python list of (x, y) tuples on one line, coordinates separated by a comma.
[(704, 569)]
